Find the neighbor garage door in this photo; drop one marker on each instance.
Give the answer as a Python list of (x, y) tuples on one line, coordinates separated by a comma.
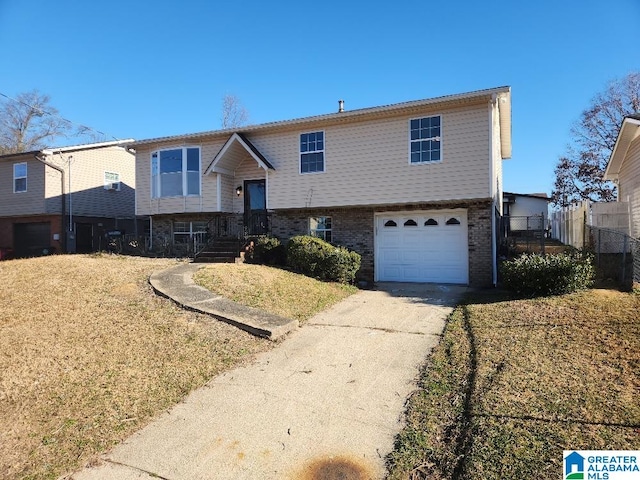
[(31, 239), (422, 246)]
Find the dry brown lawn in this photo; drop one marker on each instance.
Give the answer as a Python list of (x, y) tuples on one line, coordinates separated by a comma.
[(272, 289), (513, 383), (88, 355)]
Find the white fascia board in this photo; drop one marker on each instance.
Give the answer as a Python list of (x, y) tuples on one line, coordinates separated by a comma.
[(628, 133)]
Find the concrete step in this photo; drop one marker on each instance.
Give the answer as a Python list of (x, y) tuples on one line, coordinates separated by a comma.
[(211, 259)]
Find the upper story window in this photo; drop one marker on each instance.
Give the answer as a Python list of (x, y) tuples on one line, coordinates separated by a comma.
[(426, 142), (312, 152), (175, 172), (112, 181), (19, 177)]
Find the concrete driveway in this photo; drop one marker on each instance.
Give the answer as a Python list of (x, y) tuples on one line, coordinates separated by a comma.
[(326, 403)]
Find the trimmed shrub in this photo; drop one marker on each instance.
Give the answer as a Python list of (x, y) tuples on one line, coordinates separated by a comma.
[(540, 275), (269, 251), (316, 258)]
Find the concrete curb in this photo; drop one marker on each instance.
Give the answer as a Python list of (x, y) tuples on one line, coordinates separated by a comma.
[(176, 283)]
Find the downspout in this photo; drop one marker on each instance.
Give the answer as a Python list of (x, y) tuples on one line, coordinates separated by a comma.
[(492, 191), (63, 215)]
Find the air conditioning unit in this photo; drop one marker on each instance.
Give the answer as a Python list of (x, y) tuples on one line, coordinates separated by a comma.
[(112, 186)]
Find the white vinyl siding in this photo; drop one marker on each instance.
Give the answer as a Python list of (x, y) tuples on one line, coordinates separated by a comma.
[(368, 166), (629, 185), (26, 203), (207, 201)]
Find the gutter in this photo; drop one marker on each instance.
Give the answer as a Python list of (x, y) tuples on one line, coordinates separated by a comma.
[(492, 192), (63, 216)]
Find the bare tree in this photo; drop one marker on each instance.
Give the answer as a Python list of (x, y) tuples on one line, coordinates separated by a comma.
[(28, 122), (580, 173), (233, 112)]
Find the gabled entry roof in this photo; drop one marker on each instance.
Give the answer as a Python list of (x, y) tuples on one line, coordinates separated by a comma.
[(232, 153)]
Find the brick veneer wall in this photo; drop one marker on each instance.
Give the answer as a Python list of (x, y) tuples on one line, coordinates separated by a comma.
[(351, 228), (354, 229), (480, 251), (6, 229)]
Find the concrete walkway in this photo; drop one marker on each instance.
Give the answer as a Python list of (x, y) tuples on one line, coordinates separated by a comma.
[(326, 403), (177, 284)]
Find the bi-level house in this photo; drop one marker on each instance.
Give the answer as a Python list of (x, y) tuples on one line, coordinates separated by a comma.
[(66, 199), (414, 187)]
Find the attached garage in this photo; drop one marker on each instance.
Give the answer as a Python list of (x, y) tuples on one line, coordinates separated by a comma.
[(422, 246), (32, 239)]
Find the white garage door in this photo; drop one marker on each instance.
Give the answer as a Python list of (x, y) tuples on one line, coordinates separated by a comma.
[(422, 246)]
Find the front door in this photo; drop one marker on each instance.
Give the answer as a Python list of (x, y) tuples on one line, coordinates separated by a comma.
[(255, 207)]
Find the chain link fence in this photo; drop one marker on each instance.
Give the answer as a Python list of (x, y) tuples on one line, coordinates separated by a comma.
[(522, 234), (616, 255)]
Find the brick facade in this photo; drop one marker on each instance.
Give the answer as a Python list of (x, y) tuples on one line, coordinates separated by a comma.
[(351, 228), (354, 229)]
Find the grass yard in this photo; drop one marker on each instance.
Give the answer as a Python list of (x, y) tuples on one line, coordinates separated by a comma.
[(88, 355), (272, 289), (513, 383)]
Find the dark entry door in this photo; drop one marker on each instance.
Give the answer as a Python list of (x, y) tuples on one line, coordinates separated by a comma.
[(255, 207), (84, 237)]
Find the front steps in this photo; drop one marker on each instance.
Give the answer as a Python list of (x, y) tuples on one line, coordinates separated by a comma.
[(220, 251)]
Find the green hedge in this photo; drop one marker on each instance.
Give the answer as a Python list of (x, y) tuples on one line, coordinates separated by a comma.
[(316, 258), (269, 251), (540, 275)]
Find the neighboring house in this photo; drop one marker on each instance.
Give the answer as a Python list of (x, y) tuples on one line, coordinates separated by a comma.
[(624, 169), (66, 199), (525, 211), (414, 187)]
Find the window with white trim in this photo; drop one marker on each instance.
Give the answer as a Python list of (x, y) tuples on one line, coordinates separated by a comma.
[(175, 172), (112, 181), (183, 232), (19, 177), (312, 152), (320, 227), (425, 144)]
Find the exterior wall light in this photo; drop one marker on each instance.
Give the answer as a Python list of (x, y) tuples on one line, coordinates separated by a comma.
[(239, 190)]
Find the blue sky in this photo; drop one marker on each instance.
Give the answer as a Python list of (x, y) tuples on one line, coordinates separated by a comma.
[(146, 69)]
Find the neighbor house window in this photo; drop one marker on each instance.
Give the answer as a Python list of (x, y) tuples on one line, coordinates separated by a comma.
[(184, 232), (312, 152), (426, 141), (112, 181), (320, 227), (175, 172), (19, 177)]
